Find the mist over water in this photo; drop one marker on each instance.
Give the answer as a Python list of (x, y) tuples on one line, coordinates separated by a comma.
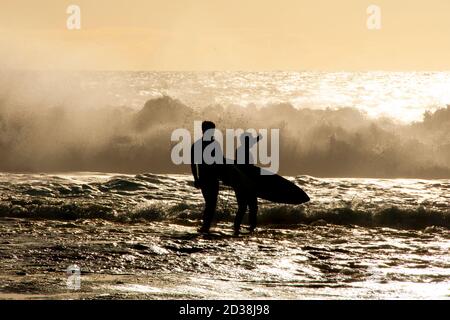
[(382, 125)]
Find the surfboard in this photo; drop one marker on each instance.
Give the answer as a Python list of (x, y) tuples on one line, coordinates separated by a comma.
[(270, 187)]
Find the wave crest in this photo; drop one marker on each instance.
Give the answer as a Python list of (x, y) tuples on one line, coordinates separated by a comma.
[(191, 214), (333, 143)]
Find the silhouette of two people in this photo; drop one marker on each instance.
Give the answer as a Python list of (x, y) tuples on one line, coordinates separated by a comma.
[(207, 175)]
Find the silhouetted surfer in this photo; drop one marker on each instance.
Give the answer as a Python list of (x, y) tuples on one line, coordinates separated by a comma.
[(206, 176), (245, 196)]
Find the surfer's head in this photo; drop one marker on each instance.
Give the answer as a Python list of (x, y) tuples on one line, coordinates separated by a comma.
[(208, 125)]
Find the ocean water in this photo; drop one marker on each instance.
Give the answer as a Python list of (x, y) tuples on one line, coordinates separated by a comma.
[(134, 236)]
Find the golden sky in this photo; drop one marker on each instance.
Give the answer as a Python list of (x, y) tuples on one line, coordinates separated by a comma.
[(226, 35)]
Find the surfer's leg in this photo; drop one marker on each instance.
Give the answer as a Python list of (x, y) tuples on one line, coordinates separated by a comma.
[(242, 207), (210, 193), (253, 211)]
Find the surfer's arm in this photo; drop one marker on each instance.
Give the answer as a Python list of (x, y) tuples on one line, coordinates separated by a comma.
[(194, 168), (194, 171), (195, 174)]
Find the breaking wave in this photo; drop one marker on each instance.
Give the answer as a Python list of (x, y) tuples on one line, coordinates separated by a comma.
[(409, 204), (56, 131), (280, 216)]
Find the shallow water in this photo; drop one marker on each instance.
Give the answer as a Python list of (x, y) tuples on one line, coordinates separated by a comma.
[(135, 237)]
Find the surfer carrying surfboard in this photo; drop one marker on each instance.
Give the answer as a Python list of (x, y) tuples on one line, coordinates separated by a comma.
[(206, 176), (246, 197)]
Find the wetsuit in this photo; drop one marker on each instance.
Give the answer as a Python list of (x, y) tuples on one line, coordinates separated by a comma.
[(246, 197), (206, 176)]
